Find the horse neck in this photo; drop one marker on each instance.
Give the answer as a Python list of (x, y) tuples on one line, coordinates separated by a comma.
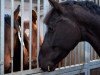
[(89, 24), (90, 33)]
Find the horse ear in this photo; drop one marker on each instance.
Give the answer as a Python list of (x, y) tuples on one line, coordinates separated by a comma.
[(56, 6), (16, 12), (34, 16)]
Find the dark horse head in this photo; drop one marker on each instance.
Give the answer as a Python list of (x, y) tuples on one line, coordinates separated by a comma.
[(68, 23)]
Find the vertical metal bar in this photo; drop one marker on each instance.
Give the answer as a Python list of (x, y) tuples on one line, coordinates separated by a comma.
[(98, 2), (95, 55), (91, 53), (2, 38), (70, 58), (60, 1), (79, 53), (22, 28), (83, 52), (65, 61), (46, 6), (75, 56), (30, 41), (87, 53), (38, 31), (12, 33)]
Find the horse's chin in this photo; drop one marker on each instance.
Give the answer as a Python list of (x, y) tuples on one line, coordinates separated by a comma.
[(7, 69), (48, 68)]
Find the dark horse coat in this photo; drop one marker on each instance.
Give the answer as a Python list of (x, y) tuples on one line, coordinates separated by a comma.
[(68, 24)]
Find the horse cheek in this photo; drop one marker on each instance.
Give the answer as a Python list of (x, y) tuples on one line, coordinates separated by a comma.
[(7, 61), (25, 56)]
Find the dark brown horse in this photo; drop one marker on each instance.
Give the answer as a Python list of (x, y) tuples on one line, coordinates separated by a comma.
[(68, 24), (7, 50), (17, 45)]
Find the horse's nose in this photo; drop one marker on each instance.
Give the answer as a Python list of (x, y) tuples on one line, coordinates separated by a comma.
[(8, 69), (50, 68), (34, 63), (47, 67)]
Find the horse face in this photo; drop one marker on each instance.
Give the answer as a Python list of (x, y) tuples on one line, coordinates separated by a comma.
[(58, 42), (26, 40), (7, 56), (62, 36)]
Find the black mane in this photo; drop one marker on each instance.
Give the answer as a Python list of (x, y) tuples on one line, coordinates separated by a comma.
[(87, 5), (7, 19)]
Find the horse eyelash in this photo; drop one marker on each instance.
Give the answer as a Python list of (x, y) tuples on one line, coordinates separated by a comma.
[(51, 29)]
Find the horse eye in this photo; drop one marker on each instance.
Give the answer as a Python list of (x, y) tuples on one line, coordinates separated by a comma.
[(53, 47), (51, 29)]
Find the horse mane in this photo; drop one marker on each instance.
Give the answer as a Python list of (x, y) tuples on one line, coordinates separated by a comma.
[(87, 5), (7, 19)]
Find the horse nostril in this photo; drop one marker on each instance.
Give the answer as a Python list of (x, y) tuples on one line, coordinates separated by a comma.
[(10, 63), (49, 68), (28, 59), (34, 63)]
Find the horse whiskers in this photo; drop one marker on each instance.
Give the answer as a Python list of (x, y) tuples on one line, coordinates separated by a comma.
[(48, 68)]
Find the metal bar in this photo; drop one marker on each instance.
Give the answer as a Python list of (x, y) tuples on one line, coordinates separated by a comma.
[(30, 41), (38, 31), (60, 1), (98, 2), (65, 61), (12, 33), (79, 53), (75, 56), (2, 37), (91, 54), (22, 28), (87, 52), (82, 60), (46, 7), (70, 58), (95, 55)]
